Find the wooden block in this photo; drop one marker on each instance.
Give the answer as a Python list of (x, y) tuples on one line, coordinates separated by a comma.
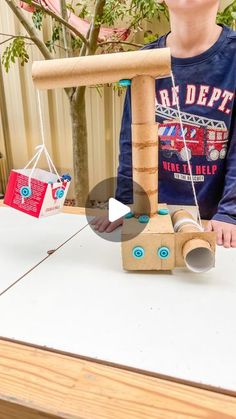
[(156, 234)]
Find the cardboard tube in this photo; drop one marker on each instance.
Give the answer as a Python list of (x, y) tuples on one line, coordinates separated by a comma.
[(143, 95), (101, 69), (198, 255), (183, 222), (144, 145)]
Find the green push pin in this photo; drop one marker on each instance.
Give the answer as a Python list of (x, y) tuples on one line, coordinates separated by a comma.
[(163, 211), (144, 219), (124, 83), (163, 252), (138, 252), (129, 215)]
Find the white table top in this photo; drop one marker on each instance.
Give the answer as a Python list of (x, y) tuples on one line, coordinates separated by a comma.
[(25, 240), (80, 301)]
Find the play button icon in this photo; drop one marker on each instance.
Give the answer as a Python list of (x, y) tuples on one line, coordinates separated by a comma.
[(106, 214), (117, 210)]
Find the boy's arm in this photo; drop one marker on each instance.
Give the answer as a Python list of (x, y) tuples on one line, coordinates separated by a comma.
[(124, 191), (224, 221), (226, 211)]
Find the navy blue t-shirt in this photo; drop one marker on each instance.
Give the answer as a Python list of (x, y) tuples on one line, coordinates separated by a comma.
[(206, 86)]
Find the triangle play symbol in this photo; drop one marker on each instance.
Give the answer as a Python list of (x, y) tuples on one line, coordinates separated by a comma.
[(117, 210)]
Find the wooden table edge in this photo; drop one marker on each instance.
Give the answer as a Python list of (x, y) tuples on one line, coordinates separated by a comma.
[(42, 383)]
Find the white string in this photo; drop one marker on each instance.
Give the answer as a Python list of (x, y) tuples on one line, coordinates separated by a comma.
[(48, 157), (34, 157), (41, 148), (186, 150), (183, 221), (35, 164), (40, 118), (42, 127)]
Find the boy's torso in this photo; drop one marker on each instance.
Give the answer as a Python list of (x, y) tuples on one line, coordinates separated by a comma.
[(206, 87)]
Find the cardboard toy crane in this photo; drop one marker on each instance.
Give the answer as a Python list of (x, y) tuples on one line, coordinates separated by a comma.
[(166, 241)]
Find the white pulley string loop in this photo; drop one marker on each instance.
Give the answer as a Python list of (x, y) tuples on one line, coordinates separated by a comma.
[(186, 150), (184, 221)]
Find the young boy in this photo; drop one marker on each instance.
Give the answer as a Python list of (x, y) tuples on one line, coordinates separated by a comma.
[(204, 67)]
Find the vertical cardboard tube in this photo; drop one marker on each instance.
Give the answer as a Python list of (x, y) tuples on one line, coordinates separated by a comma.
[(144, 145)]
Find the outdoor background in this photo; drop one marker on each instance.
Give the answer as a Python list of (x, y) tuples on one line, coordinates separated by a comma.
[(19, 123)]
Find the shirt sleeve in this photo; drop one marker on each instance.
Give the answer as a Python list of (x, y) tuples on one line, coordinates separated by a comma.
[(124, 190), (226, 211)]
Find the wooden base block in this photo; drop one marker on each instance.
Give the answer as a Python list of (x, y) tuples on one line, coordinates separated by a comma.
[(158, 233)]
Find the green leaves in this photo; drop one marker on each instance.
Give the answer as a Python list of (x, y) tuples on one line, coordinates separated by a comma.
[(128, 13), (81, 8), (149, 37), (113, 11), (146, 9), (15, 50), (76, 43), (37, 18), (228, 15), (55, 37), (133, 11)]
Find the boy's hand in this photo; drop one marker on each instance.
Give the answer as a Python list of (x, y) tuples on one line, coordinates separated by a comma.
[(225, 233), (102, 224)]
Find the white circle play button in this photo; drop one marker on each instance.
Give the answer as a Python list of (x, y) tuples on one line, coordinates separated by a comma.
[(105, 214)]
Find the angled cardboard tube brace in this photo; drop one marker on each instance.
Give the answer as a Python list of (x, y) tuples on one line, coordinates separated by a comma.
[(142, 67)]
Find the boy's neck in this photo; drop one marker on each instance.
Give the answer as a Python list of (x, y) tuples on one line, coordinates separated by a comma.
[(191, 36)]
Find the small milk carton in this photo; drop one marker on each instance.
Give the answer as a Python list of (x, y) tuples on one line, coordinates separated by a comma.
[(36, 192)]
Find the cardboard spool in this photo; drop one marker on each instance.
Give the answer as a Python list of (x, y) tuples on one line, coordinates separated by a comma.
[(158, 246)]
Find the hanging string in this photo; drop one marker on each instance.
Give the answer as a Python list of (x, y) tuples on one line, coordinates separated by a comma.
[(41, 118), (33, 158), (186, 151), (41, 124), (41, 148)]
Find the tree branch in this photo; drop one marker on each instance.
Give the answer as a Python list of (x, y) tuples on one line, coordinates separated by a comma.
[(6, 40), (65, 31), (120, 42), (83, 50), (66, 40), (29, 29), (93, 35), (95, 26), (56, 17), (15, 36)]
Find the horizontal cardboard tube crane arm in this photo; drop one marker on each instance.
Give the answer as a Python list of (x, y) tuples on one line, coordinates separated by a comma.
[(101, 69)]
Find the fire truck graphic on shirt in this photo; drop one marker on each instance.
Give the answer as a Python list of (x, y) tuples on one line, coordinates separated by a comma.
[(204, 136)]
